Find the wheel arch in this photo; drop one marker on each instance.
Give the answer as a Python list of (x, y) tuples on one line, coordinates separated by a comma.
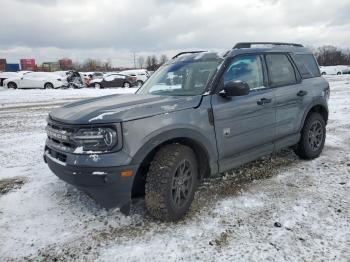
[(48, 82), (205, 155), (319, 106)]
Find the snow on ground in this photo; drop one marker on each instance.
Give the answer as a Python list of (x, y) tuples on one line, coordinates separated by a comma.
[(21, 97), (277, 209)]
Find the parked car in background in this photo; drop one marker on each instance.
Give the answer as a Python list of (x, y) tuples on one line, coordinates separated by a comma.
[(89, 76), (114, 80), (36, 80), (74, 79), (335, 70), (141, 74), (6, 75)]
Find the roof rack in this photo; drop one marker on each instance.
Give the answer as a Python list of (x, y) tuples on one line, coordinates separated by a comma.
[(249, 44), (187, 52)]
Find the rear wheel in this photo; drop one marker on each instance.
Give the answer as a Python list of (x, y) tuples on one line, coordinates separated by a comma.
[(48, 86), (171, 182), (323, 73), (12, 85), (313, 137), (126, 85)]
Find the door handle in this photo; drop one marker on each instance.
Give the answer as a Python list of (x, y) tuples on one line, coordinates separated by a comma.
[(263, 101), (302, 93)]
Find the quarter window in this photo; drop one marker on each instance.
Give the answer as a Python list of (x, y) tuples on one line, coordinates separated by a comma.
[(281, 71), (247, 68), (307, 65)]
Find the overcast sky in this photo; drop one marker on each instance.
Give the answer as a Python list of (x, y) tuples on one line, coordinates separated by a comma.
[(113, 29)]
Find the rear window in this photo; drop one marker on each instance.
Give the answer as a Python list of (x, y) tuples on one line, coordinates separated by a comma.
[(307, 65)]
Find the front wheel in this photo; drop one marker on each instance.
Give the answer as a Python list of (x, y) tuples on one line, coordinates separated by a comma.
[(98, 86), (171, 182), (48, 86), (338, 73), (313, 136)]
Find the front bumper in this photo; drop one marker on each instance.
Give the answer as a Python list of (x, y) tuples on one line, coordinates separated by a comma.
[(103, 184)]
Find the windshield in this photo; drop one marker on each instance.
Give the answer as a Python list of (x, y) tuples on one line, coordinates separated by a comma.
[(182, 78)]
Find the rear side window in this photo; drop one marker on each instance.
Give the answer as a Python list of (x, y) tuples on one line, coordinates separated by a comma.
[(307, 65), (281, 71)]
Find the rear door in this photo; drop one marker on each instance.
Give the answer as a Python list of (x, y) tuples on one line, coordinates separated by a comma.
[(244, 125), (291, 93), (108, 81), (119, 80)]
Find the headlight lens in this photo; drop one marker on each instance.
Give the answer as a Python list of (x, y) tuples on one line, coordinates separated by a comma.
[(96, 140)]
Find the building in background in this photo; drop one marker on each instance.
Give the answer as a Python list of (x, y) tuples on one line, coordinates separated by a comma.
[(28, 64), (66, 64), (12, 67), (50, 66), (2, 65)]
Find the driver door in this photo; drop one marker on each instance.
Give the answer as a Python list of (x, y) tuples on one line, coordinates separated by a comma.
[(244, 125)]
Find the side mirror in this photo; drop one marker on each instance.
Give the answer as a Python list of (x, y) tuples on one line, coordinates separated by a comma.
[(235, 88)]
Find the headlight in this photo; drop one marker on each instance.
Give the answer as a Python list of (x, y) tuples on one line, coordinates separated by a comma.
[(100, 139)]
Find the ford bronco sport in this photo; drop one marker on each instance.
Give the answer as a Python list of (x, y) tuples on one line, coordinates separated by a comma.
[(200, 114)]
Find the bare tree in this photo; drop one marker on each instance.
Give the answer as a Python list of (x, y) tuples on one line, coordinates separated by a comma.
[(149, 63), (331, 55), (140, 61), (163, 59)]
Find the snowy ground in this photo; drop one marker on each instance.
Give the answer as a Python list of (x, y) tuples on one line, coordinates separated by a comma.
[(276, 209)]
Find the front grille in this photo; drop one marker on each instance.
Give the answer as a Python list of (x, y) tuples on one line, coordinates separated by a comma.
[(59, 136)]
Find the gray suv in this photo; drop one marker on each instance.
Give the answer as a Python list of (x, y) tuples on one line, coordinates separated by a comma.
[(200, 114)]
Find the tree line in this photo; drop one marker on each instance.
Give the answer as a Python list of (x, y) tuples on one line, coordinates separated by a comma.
[(326, 56), (151, 63), (330, 56)]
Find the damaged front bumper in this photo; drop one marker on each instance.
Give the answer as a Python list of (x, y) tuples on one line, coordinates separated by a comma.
[(109, 186)]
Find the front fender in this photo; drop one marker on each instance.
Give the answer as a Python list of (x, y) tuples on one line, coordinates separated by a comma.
[(160, 136)]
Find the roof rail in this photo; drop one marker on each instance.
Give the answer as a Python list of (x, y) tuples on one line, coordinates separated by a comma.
[(187, 52), (249, 44)]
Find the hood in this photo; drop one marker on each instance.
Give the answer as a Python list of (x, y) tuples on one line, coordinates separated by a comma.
[(119, 108)]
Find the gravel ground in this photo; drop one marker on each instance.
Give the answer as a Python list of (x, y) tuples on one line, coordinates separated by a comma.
[(278, 208)]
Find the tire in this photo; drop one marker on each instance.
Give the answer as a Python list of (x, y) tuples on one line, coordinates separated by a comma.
[(338, 73), (313, 136), (139, 83), (323, 73), (97, 86), (170, 192), (48, 86), (12, 85), (126, 85)]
